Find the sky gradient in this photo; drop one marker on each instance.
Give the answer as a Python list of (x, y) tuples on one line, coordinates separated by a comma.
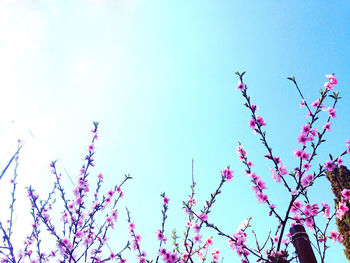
[(159, 78)]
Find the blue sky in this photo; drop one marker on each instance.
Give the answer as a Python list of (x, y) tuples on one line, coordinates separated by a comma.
[(159, 77)]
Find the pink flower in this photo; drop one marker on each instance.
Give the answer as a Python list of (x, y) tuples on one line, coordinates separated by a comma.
[(297, 205), (313, 132), (326, 210), (340, 162), (100, 176), (197, 238), (203, 216), (114, 215), (329, 166), (302, 103), (262, 198), (302, 138), (306, 166), (131, 226), (346, 194), (316, 103), (332, 79), (306, 180), (341, 210), (331, 112), (192, 201), (309, 222), (285, 241), (166, 200), (240, 86), (227, 174), (327, 126), (276, 177), (294, 192), (305, 156), (251, 124), (254, 107), (283, 169), (334, 236), (298, 153), (208, 242), (160, 235), (305, 128), (260, 121), (328, 85), (260, 183)]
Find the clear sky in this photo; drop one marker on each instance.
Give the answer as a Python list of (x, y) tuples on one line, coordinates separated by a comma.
[(159, 77)]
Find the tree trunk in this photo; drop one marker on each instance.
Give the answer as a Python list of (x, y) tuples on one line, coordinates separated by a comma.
[(340, 180), (302, 244)]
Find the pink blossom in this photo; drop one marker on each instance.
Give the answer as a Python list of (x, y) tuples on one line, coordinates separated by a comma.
[(305, 128), (254, 107), (192, 201), (302, 103), (340, 162), (240, 86), (329, 166), (313, 132), (203, 216), (114, 215), (346, 194), (131, 226), (260, 121), (251, 124), (328, 85), (305, 156), (196, 228), (334, 236), (100, 176), (298, 153), (294, 192), (306, 166), (297, 205), (197, 238), (342, 210), (302, 138), (209, 242), (262, 198), (275, 175), (306, 180), (331, 112), (160, 235), (326, 210), (285, 241), (227, 174), (332, 79), (327, 126), (316, 103), (283, 169), (309, 222), (260, 183), (166, 200)]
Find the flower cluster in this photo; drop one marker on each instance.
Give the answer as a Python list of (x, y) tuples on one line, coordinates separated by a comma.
[(87, 215)]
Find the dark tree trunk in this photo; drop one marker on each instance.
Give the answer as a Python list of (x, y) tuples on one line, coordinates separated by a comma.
[(302, 244)]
